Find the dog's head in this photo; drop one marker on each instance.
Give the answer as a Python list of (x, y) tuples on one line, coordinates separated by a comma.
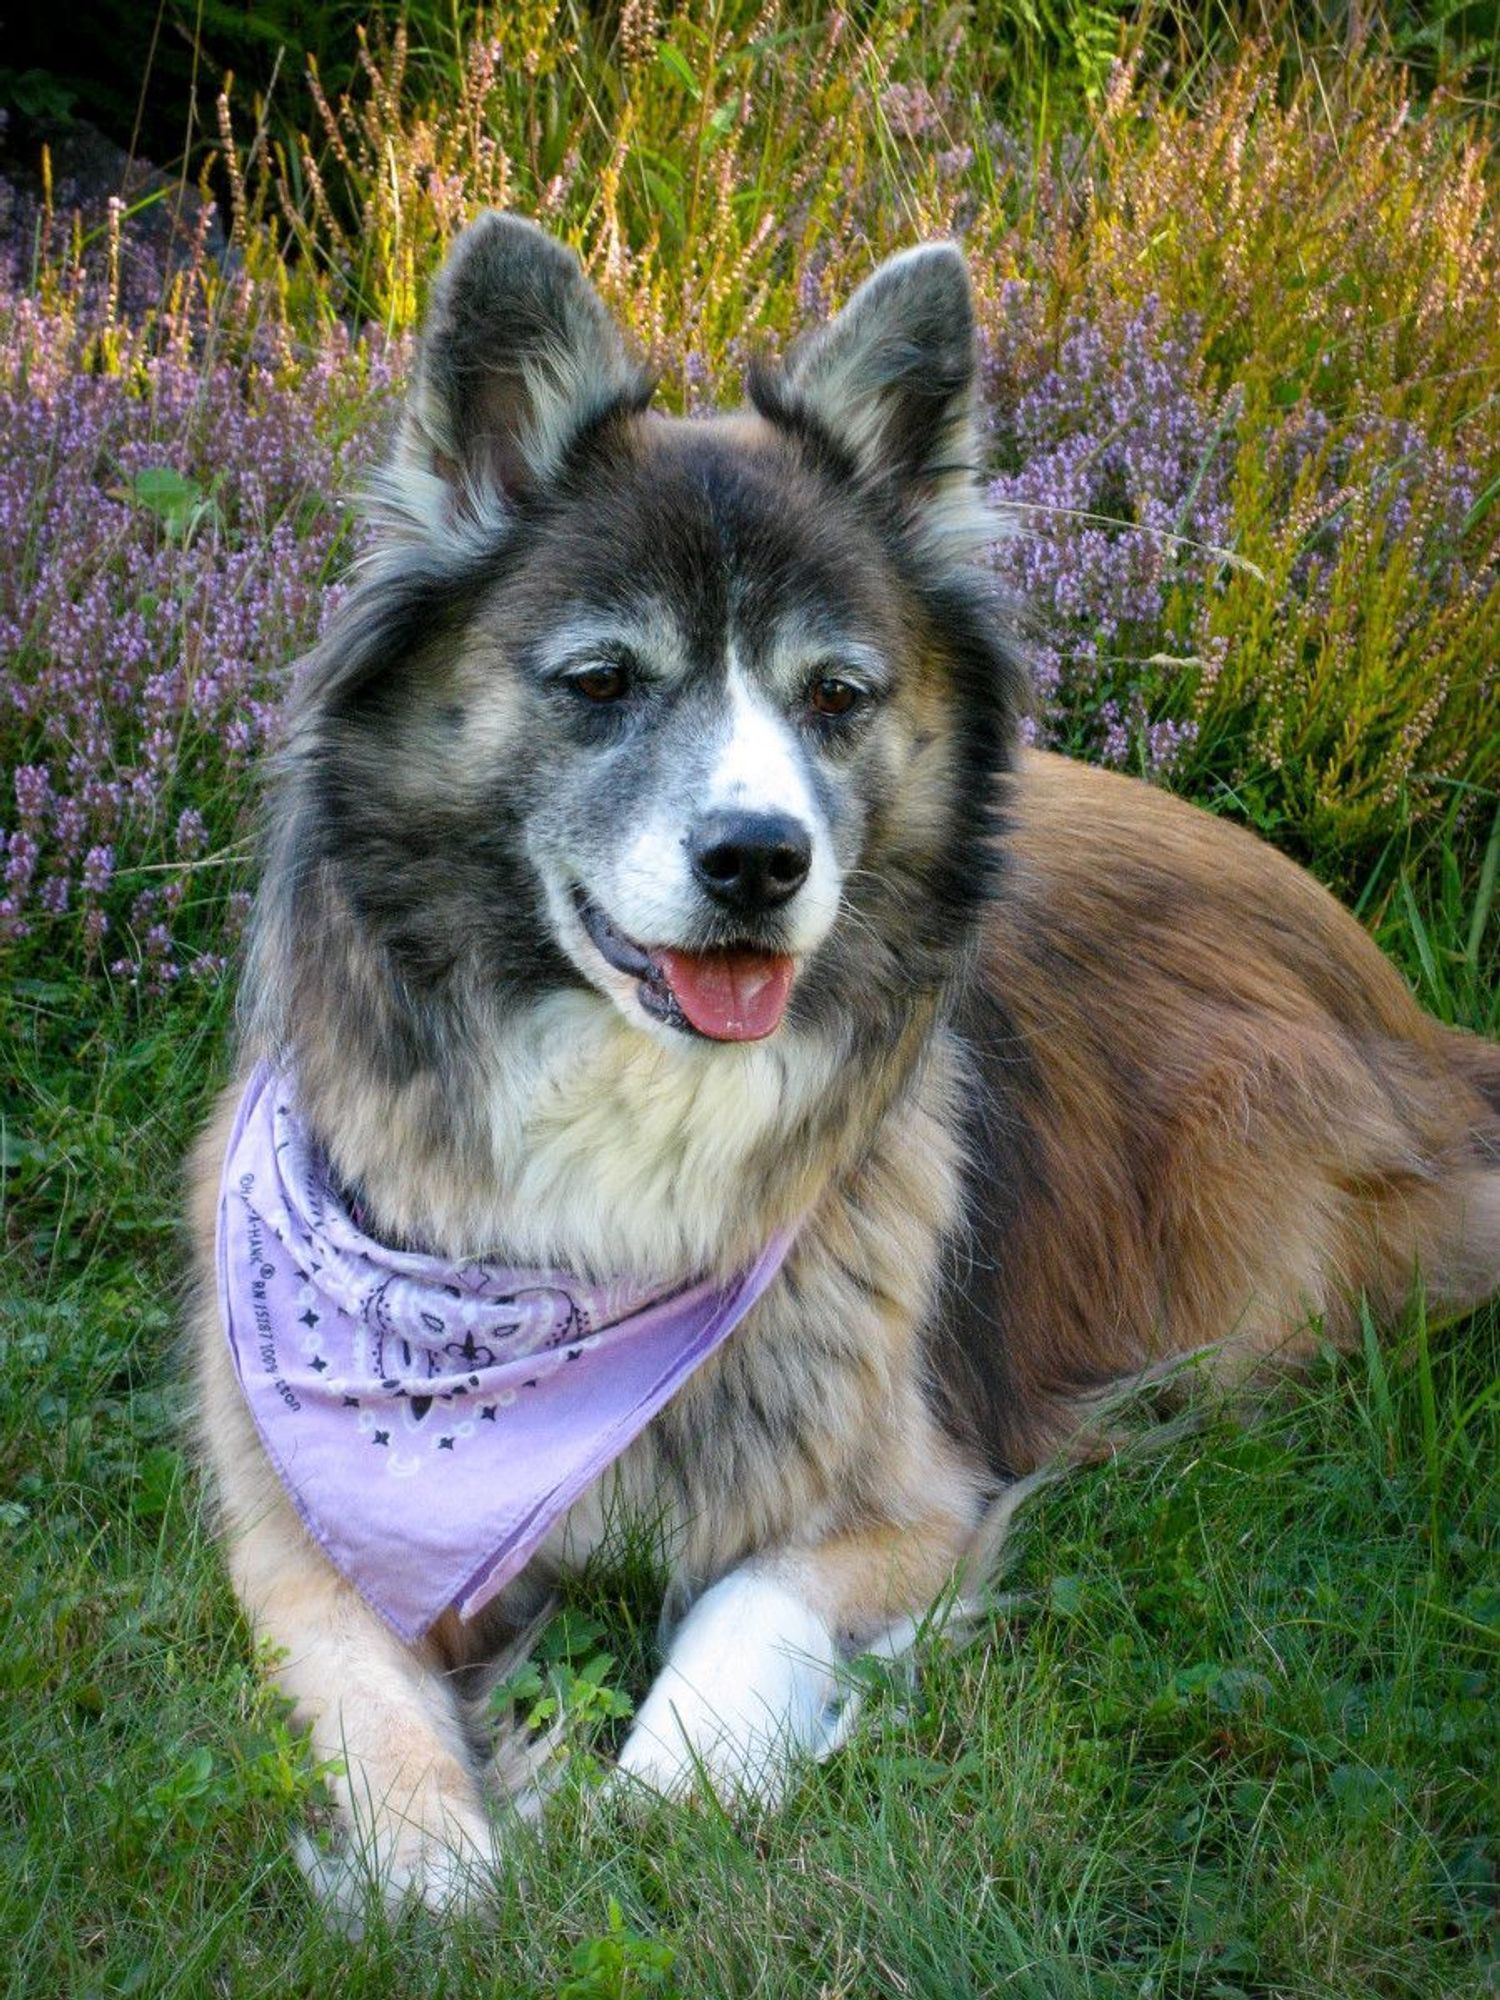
[(702, 714)]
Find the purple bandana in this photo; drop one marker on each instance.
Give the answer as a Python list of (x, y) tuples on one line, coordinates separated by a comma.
[(433, 1421)]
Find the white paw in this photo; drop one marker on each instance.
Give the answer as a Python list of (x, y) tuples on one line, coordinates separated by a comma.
[(448, 1869), (749, 1685)]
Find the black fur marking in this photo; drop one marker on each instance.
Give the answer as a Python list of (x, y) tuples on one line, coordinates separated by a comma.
[(772, 395), (971, 1378)]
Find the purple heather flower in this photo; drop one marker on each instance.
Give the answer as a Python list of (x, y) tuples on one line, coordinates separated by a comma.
[(192, 834), (98, 867), (166, 535), (33, 793), (1118, 500)]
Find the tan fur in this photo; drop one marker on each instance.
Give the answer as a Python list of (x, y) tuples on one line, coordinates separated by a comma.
[(868, 1514), (1248, 1120)]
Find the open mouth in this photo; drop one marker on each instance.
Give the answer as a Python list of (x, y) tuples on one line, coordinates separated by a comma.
[(735, 995)]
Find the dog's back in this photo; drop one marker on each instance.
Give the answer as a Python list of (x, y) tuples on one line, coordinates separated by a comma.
[(1209, 1113)]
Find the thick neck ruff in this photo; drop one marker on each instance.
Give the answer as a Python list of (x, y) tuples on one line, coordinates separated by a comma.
[(432, 1421)]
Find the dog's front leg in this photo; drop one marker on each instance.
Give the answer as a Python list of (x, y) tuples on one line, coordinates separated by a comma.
[(749, 1683), (751, 1680), (381, 1716)]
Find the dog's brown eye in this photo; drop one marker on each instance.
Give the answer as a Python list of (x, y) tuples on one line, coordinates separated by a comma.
[(606, 682), (831, 696)]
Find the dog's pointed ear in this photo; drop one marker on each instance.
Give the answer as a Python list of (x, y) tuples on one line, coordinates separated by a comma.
[(893, 382), (518, 356)]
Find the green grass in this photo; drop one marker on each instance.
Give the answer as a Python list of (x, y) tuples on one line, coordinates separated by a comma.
[(1229, 1731)]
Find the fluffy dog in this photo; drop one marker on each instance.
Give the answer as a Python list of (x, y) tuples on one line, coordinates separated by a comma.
[(652, 876)]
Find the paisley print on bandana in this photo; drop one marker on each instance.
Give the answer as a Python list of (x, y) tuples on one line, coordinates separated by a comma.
[(432, 1421)]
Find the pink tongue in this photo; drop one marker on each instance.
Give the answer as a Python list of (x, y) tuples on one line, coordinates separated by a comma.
[(733, 996)]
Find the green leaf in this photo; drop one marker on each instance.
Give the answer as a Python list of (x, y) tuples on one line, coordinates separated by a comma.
[(1482, 505), (165, 491), (1363, 1792), (571, 1633), (46, 992), (725, 118), (676, 64), (1065, 1595), (17, 1150), (1484, 895), (177, 500)]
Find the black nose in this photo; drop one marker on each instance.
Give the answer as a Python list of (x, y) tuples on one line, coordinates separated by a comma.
[(750, 861)]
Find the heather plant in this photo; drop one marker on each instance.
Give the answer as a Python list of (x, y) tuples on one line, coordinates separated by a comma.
[(1334, 261), (1296, 607), (1119, 507), (170, 535), (701, 160), (1242, 358)]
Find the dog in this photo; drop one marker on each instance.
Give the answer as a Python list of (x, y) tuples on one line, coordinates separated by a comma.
[(656, 903)]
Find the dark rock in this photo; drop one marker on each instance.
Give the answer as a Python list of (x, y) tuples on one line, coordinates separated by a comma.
[(162, 212)]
